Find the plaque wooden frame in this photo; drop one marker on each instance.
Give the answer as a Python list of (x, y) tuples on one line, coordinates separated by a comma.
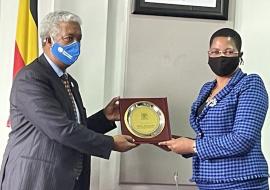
[(161, 103)]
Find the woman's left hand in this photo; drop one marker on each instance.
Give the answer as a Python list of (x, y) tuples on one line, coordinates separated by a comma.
[(180, 145)]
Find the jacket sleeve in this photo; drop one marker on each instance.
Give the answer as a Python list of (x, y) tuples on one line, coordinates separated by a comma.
[(99, 123), (34, 97), (249, 118)]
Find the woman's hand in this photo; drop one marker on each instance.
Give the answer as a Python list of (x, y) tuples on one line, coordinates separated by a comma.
[(180, 145)]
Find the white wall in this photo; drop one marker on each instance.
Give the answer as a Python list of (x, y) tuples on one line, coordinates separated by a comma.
[(252, 22), (117, 28)]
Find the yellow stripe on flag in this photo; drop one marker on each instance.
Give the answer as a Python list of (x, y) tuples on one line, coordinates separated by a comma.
[(26, 36)]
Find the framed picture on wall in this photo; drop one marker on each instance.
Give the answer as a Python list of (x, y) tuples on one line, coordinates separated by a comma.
[(205, 9)]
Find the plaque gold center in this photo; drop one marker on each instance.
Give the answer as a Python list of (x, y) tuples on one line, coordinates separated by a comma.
[(144, 120)]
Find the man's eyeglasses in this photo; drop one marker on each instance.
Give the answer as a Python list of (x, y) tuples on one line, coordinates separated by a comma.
[(226, 53)]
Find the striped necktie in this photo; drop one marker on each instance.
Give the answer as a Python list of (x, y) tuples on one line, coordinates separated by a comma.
[(65, 81), (79, 165)]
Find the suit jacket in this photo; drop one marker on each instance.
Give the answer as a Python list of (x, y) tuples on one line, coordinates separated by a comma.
[(46, 141), (229, 131)]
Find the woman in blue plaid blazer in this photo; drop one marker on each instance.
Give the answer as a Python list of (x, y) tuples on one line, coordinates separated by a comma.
[(227, 117)]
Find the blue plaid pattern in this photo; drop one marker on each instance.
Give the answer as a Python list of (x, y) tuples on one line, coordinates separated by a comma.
[(229, 131), (255, 184)]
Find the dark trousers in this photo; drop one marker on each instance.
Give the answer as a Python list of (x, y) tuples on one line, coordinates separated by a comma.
[(76, 185), (82, 183)]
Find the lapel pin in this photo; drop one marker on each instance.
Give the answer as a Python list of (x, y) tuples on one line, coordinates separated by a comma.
[(212, 102)]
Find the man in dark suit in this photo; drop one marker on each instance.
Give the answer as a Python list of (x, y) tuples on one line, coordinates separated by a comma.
[(51, 141)]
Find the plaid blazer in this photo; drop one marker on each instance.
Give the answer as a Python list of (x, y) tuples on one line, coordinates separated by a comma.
[(228, 131)]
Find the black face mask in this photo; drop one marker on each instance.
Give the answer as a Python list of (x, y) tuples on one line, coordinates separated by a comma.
[(223, 66)]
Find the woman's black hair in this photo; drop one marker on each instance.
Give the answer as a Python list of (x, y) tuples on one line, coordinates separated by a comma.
[(228, 32)]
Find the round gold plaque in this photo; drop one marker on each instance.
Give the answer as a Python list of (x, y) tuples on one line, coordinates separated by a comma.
[(144, 119)]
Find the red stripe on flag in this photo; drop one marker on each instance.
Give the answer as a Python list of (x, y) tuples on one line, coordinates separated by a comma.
[(9, 122), (18, 61)]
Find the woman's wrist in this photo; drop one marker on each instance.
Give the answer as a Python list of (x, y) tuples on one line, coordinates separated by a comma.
[(194, 147)]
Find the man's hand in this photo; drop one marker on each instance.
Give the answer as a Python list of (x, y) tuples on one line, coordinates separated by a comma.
[(111, 111), (123, 143), (180, 145)]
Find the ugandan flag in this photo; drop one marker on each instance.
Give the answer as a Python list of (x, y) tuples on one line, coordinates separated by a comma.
[(26, 46)]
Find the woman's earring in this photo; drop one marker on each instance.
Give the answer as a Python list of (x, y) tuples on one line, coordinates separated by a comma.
[(241, 61)]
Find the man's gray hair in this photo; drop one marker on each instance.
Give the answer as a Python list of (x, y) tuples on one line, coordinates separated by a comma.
[(49, 26)]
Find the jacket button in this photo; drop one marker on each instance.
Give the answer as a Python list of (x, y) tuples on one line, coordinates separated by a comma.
[(200, 135)]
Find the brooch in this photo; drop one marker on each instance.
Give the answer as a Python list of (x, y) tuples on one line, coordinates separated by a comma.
[(212, 102)]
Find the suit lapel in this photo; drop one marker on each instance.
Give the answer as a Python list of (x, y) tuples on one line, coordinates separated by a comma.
[(238, 75), (204, 95), (194, 119), (59, 86)]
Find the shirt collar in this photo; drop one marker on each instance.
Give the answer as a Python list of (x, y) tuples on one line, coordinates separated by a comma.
[(56, 69)]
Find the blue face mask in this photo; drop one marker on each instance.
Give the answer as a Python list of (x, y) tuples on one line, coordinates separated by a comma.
[(67, 54)]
